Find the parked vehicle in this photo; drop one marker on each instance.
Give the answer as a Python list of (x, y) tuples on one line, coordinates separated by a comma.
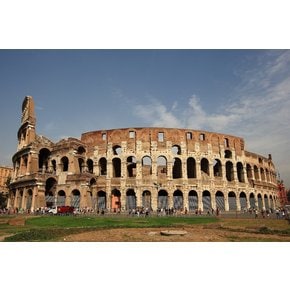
[(62, 210)]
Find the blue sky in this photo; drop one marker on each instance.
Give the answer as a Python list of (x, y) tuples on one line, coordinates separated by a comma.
[(240, 92)]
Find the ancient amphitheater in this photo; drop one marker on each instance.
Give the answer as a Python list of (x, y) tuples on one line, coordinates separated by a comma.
[(121, 169)]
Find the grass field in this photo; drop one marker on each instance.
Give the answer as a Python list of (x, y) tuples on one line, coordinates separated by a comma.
[(55, 228)]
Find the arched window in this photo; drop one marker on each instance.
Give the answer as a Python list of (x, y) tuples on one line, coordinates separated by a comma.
[(64, 163), (90, 165), (43, 158), (191, 168), (217, 168), (240, 172), (116, 167), (204, 166), (131, 166), (161, 166), (229, 171), (228, 154), (176, 150), (146, 166), (117, 150), (177, 168), (103, 166)]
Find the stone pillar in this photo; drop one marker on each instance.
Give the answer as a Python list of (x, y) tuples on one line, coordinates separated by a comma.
[(198, 170), (185, 200), (199, 198), (238, 202), (226, 197), (138, 193), (24, 198), (34, 198), (123, 200), (170, 199), (213, 200)]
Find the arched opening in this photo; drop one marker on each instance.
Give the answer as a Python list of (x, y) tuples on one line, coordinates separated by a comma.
[(131, 166), (61, 198), (75, 198), (116, 200), (50, 190), (146, 199), (249, 172), (252, 201), (43, 159), (19, 201), (266, 202), (81, 150), (229, 171), (177, 168), (206, 201), (117, 150), (29, 199), (191, 168), (176, 150), (220, 200), (81, 165), (271, 202), (116, 167), (162, 199), (217, 168), (256, 172), (243, 201), (232, 201), (228, 154), (64, 164), (260, 202), (130, 199), (102, 200), (204, 166), (192, 200), (53, 164), (146, 166), (262, 172), (90, 165), (240, 172), (161, 166), (103, 166), (178, 200)]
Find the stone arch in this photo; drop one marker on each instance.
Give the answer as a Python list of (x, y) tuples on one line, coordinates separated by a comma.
[(232, 201), (162, 166), (217, 168), (220, 200), (81, 150), (117, 150), (192, 200), (260, 202), (101, 200), (204, 166), (116, 162), (146, 199), (240, 172), (116, 200), (64, 164), (256, 172), (178, 200), (146, 166), (29, 195), (90, 165), (131, 200), (266, 202), (81, 163), (75, 198), (252, 200), (61, 197), (228, 154), (206, 201), (271, 202), (131, 166), (177, 168), (162, 199), (262, 174), (43, 158), (243, 201), (229, 171), (191, 167), (176, 150), (103, 166), (249, 172), (50, 190)]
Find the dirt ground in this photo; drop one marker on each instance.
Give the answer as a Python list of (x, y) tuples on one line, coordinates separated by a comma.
[(194, 234)]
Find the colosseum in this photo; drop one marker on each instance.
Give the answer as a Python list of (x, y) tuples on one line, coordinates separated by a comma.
[(156, 168)]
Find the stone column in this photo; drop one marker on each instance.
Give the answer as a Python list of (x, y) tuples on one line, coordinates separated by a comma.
[(226, 197), (199, 198), (170, 199), (34, 198)]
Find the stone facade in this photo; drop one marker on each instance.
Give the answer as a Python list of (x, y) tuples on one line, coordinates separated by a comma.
[(121, 169), (5, 173)]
